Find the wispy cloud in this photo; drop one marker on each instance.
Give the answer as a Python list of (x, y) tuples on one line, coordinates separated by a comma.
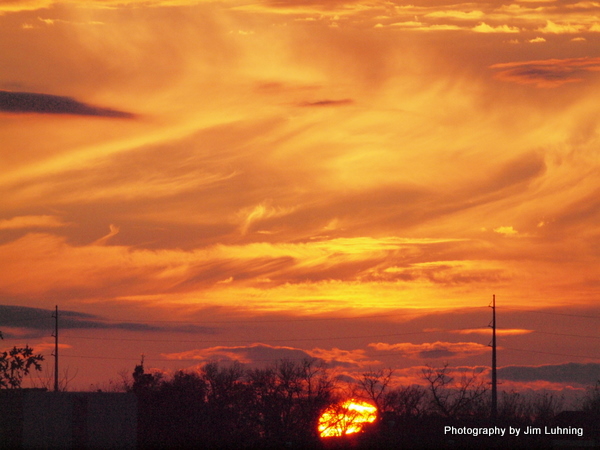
[(549, 73), (21, 222), (114, 230), (300, 158), (433, 350), (264, 354), (485, 28), (29, 102), (561, 28), (260, 354), (488, 331), (327, 102), (33, 320)]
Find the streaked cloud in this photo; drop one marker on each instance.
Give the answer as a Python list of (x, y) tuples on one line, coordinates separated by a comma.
[(260, 354), (457, 14), (321, 103), (550, 73), (114, 230), (433, 350), (293, 160), (336, 357), (20, 222), (561, 28), (581, 373), (24, 5), (20, 322), (488, 331), (28, 102)]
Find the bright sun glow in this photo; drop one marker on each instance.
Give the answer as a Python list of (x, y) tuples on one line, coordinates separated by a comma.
[(345, 418)]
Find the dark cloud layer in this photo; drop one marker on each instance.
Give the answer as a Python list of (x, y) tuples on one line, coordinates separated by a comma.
[(29, 102), (36, 319), (586, 374)]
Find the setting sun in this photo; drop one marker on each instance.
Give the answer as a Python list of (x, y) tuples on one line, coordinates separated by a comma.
[(346, 418)]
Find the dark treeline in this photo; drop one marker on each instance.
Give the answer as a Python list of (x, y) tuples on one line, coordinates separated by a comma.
[(231, 406)]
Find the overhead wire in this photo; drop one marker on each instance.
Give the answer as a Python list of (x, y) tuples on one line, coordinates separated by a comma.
[(202, 341), (559, 314), (549, 353), (213, 341), (252, 320)]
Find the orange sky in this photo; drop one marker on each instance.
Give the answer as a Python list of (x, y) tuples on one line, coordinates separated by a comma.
[(350, 180)]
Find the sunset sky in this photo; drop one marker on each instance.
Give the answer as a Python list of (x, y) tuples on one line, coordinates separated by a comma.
[(343, 179)]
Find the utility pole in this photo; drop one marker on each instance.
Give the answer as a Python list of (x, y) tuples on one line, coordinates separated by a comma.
[(55, 315), (494, 379)]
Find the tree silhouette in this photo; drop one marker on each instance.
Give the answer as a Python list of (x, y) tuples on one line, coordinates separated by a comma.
[(407, 401), (15, 364), (591, 401), (143, 381), (376, 387), (227, 405), (289, 398), (454, 399)]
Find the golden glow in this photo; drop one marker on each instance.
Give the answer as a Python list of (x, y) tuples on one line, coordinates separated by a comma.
[(346, 418), (303, 160), (486, 331)]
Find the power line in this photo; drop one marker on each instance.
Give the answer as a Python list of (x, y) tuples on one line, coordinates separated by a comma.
[(250, 320), (199, 341), (106, 357), (550, 353), (198, 360), (559, 314), (213, 341), (386, 355), (196, 341), (210, 359), (9, 322), (567, 334)]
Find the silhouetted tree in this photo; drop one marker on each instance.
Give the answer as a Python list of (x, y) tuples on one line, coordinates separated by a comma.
[(228, 398), (546, 406), (46, 380), (340, 418), (407, 401), (143, 381), (454, 399), (183, 411), (515, 407), (375, 386), (288, 399), (15, 364), (591, 401)]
